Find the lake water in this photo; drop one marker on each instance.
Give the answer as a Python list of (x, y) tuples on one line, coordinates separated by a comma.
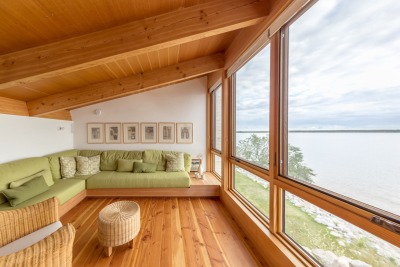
[(362, 166)]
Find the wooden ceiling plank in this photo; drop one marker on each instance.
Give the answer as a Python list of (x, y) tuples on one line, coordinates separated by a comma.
[(126, 86), (127, 40), (64, 115), (13, 107)]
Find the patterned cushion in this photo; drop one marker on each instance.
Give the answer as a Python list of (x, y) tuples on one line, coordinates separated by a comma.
[(87, 166), (175, 162), (68, 167)]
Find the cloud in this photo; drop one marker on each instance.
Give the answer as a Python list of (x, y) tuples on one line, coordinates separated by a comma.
[(344, 69)]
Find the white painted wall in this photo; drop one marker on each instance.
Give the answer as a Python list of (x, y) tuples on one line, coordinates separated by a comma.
[(183, 102), (22, 137)]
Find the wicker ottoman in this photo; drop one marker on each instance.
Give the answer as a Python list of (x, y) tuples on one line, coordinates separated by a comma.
[(118, 223)]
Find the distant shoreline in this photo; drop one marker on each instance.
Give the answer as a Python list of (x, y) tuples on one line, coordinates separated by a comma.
[(329, 131)]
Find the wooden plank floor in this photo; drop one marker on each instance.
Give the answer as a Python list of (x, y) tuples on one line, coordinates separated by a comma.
[(174, 232)]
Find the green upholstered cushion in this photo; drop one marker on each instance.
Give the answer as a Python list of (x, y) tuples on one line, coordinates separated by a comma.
[(22, 168), (126, 165), (155, 157), (63, 189), (26, 191), (159, 179), (139, 167), (89, 153), (175, 162), (87, 165), (68, 167), (54, 161), (20, 182), (109, 159)]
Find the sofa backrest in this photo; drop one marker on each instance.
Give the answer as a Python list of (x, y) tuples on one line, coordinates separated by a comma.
[(54, 161), (108, 159), (22, 168), (158, 157)]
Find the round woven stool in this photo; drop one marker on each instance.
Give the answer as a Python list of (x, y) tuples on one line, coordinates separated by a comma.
[(118, 223)]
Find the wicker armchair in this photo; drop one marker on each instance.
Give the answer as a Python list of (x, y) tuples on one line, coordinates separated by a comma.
[(54, 250)]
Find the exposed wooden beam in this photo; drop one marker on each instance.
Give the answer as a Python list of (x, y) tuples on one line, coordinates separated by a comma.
[(247, 36), (58, 115), (173, 28), (13, 107), (130, 85)]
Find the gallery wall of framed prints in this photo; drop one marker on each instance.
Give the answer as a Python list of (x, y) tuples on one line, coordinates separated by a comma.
[(140, 132)]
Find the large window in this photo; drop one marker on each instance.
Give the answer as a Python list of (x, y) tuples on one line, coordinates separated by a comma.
[(251, 110), (343, 116), (341, 124)]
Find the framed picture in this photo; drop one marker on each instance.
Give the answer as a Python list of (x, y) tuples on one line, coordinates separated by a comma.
[(95, 133), (131, 133), (195, 165), (166, 132), (184, 133), (113, 133), (149, 132)]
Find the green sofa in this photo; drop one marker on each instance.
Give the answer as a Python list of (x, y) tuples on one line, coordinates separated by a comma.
[(108, 177)]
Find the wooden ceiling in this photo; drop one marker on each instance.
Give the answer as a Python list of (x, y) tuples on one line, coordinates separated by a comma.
[(56, 55)]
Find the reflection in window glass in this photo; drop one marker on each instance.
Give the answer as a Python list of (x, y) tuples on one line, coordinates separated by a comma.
[(343, 100), (253, 188), (333, 241), (217, 118), (252, 110), (217, 165)]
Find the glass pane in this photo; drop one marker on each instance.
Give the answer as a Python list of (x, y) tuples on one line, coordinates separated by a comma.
[(343, 99), (217, 165), (253, 188), (217, 113), (333, 241), (252, 110)]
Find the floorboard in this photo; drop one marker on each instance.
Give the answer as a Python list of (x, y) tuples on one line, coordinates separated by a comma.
[(174, 232)]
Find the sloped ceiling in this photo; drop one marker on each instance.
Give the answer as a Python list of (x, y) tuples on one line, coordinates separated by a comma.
[(57, 55)]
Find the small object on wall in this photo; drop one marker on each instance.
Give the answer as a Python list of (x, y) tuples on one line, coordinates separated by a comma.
[(97, 112), (131, 132), (95, 133), (184, 133), (196, 163), (149, 132), (113, 133), (166, 132)]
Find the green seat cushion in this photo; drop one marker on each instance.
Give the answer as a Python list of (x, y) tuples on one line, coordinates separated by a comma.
[(63, 189), (109, 159), (54, 161), (159, 179), (139, 167), (126, 165), (22, 168), (26, 191)]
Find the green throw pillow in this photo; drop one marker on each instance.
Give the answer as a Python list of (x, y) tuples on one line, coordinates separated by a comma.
[(139, 167), (20, 182), (26, 191), (126, 165), (175, 162)]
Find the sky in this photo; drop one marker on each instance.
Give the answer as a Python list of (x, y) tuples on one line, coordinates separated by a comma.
[(344, 70)]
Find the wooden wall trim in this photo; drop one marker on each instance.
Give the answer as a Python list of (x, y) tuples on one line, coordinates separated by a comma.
[(13, 107), (127, 86), (214, 80), (166, 30), (268, 246)]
